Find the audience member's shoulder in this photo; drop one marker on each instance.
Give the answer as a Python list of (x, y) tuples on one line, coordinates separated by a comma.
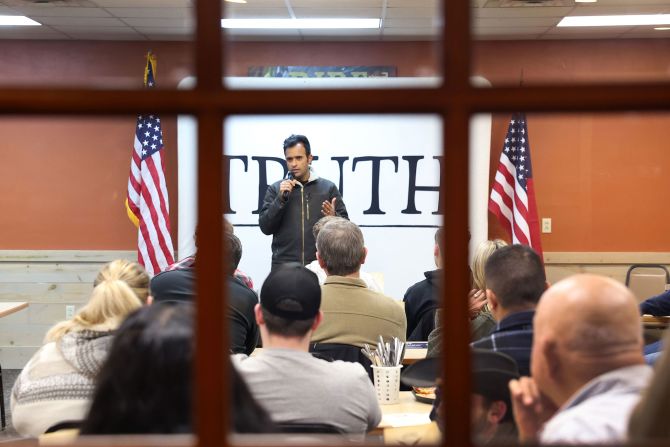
[(173, 285), (347, 370)]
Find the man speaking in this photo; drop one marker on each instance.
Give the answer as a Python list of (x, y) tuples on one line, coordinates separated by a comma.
[(292, 206)]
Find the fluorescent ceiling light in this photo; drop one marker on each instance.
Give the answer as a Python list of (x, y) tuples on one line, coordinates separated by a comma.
[(618, 20), (576, 1), (300, 23), (17, 21), (236, 1), (662, 28)]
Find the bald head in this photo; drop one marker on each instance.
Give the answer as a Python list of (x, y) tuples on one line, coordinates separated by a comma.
[(585, 326)]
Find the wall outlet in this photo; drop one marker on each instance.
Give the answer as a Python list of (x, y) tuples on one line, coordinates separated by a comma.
[(69, 311), (546, 224)]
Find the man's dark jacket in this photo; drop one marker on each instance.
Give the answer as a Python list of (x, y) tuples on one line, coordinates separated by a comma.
[(177, 285), (420, 304), (290, 223)]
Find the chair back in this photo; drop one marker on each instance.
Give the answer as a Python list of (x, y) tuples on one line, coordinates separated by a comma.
[(305, 427), (340, 351), (647, 280)]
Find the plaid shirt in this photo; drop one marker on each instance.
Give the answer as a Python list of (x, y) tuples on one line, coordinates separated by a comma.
[(513, 336)]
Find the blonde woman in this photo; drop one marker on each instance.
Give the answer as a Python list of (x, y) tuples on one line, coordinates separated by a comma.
[(56, 385), (481, 320)]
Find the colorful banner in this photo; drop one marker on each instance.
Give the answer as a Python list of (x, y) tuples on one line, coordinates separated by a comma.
[(349, 71)]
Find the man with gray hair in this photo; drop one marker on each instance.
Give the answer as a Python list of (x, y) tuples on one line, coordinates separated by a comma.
[(353, 314)]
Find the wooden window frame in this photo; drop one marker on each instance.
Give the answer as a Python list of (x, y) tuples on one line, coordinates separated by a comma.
[(210, 102)]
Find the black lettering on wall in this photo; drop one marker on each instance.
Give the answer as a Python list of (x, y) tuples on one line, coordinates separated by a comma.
[(376, 162), (412, 187), (263, 177), (340, 163), (226, 174)]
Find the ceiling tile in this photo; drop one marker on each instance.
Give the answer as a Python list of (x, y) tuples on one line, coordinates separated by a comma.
[(602, 10), (161, 13), (30, 32), (588, 31), (516, 22), (411, 23), (409, 31), (170, 23), (521, 12), (101, 35), (256, 4), (143, 3), (62, 12), (87, 29), (414, 3), (261, 13), (401, 13), (525, 31)]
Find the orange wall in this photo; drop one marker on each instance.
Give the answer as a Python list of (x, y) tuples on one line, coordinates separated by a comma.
[(600, 178), (603, 179)]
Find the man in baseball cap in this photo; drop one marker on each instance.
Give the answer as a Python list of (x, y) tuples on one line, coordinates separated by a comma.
[(286, 379), (491, 410)]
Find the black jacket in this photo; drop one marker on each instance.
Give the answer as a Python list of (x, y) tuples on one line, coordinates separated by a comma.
[(290, 223), (178, 285), (421, 301)]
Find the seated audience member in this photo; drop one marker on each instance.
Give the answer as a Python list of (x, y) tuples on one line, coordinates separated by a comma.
[(352, 313), (145, 386), (481, 320), (316, 268), (649, 421), (286, 379), (491, 408), (56, 385), (492, 420), (422, 299), (587, 365), (177, 285), (515, 281), (658, 306)]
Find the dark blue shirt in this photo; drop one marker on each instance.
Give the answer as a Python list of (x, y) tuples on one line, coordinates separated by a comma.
[(657, 306), (513, 336)]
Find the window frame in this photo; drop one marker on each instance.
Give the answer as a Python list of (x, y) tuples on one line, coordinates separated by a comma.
[(456, 101)]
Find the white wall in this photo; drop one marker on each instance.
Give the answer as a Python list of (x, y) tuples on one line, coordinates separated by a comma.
[(400, 245)]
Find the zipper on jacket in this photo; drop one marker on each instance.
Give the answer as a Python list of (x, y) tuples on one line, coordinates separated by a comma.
[(302, 221)]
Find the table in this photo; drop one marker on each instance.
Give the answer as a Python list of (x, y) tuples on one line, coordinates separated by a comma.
[(9, 307), (412, 355), (651, 322), (407, 422)]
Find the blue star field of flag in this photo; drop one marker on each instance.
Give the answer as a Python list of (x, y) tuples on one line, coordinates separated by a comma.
[(149, 134), (517, 149)]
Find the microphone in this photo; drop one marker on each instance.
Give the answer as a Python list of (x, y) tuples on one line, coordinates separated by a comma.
[(285, 194)]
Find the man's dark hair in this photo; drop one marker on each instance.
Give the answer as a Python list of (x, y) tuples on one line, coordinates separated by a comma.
[(284, 326), (438, 239), (516, 275), (295, 139), (234, 250)]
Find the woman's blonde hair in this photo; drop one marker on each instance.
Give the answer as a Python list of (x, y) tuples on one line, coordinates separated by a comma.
[(482, 253), (120, 288)]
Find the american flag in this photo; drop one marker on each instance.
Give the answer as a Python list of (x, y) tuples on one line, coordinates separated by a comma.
[(513, 194), (147, 203)]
